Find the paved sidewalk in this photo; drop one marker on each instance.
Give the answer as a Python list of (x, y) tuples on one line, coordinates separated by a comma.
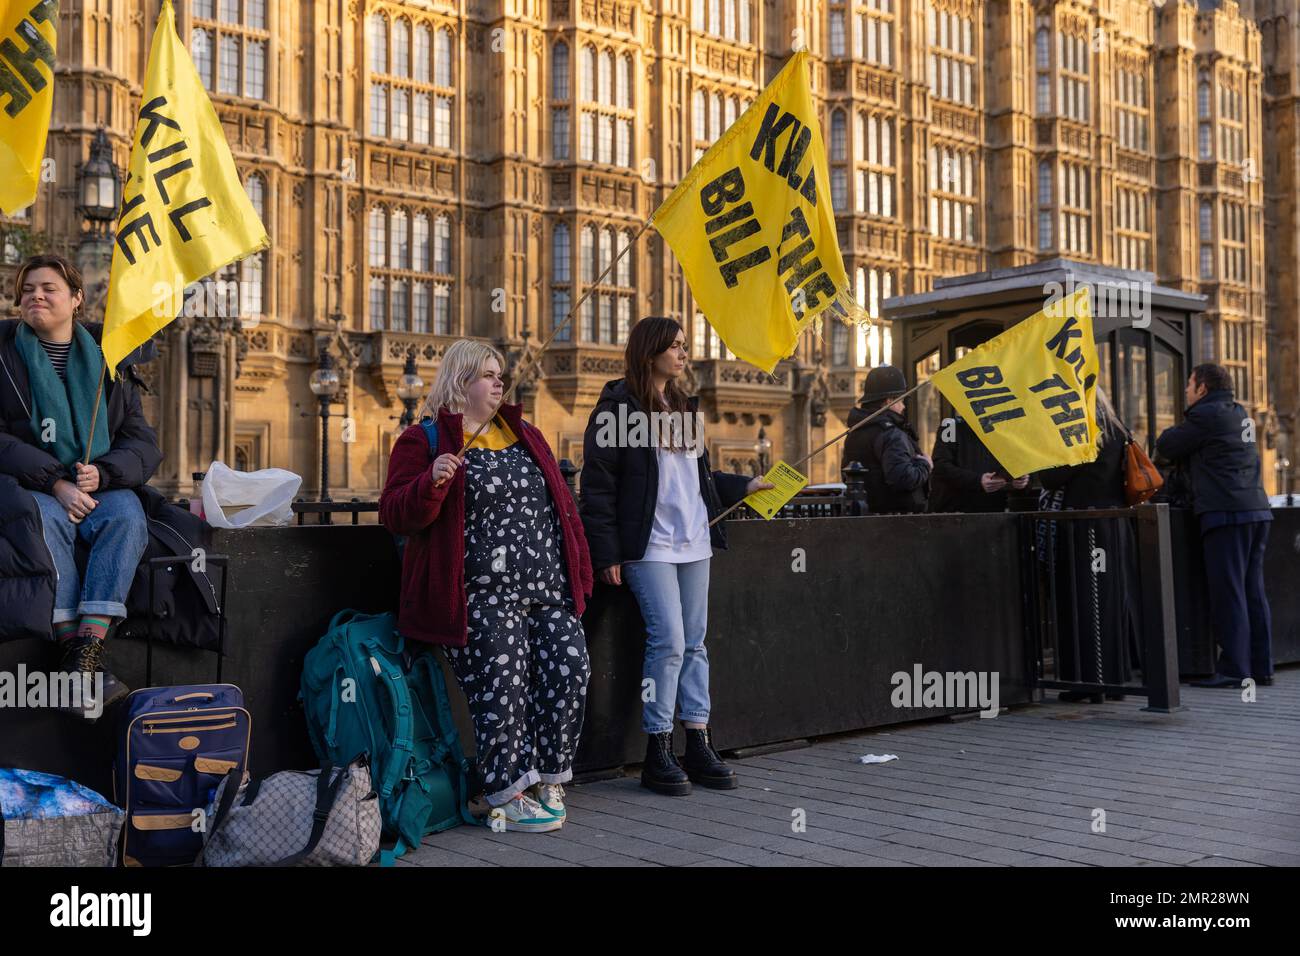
[(1217, 784)]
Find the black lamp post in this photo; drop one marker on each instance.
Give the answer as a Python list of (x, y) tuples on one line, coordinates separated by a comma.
[(325, 385), (762, 449), (99, 194), (410, 389)]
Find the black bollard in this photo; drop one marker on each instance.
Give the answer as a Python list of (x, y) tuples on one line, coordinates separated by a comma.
[(855, 488)]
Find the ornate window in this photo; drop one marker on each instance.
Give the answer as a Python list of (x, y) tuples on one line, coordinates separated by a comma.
[(561, 280), (873, 33), (411, 270), (411, 94), (560, 132), (953, 192), (951, 62), (233, 40)]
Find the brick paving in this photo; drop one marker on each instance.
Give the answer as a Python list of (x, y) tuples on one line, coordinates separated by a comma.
[(1217, 784)]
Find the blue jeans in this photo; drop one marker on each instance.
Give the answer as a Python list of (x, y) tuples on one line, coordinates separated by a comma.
[(117, 534), (674, 601)]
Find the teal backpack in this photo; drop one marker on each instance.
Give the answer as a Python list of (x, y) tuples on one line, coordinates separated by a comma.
[(365, 694)]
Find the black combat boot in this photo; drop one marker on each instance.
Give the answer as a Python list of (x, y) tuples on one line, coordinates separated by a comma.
[(703, 765), (661, 772), (83, 657)]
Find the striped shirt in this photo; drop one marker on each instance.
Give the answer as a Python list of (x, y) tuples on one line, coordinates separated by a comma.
[(58, 355)]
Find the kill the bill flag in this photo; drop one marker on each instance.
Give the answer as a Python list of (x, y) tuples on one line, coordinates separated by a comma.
[(753, 228), (184, 210), (27, 39), (1030, 394)]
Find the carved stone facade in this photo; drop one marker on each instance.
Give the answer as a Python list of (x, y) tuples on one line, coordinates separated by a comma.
[(469, 167)]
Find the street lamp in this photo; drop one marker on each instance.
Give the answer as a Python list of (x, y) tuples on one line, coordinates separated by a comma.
[(325, 385), (99, 186), (410, 389), (762, 449), (99, 193)]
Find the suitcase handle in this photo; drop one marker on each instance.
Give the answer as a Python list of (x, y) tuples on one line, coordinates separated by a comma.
[(177, 700)]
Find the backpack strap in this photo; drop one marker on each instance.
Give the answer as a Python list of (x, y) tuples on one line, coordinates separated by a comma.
[(452, 754), (395, 683), (430, 427)]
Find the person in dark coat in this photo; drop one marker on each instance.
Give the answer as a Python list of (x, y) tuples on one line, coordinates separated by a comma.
[(1215, 443), (967, 478), (898, 472), (80, 454), (648, 498), (496, 570), (1095, 566)]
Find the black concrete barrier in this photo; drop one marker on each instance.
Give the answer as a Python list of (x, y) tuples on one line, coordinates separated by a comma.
[(794, 653)]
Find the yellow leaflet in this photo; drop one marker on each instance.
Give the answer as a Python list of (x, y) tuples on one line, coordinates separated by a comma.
[(27, 33), (184, 211), (753, 228), (1031, 393), (788, 481)]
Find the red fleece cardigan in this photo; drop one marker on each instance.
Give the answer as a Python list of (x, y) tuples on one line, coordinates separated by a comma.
[(432, 606)]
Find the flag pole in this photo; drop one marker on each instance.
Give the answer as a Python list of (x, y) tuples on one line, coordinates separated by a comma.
[(529, 360), (94, 416), (817, 451)]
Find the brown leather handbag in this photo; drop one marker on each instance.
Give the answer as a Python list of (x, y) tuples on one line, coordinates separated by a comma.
[(1141, 477)]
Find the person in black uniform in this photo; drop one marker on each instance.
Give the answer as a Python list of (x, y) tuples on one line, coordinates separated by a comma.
[(898, 472), (1095, 567), (967, 478)]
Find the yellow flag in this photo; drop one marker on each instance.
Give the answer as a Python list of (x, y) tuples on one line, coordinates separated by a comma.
[(753, 228), (27, 35), (184, 211), (1031, 393)]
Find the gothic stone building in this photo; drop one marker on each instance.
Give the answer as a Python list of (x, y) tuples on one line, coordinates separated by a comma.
[(442, 168)]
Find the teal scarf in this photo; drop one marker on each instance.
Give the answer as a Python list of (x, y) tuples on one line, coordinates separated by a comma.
[(61, 415)]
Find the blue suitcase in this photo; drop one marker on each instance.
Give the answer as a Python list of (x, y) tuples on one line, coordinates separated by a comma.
[(175, 745)]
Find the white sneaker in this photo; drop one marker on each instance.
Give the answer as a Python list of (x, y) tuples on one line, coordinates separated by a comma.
[(523, 814), (551, 797)]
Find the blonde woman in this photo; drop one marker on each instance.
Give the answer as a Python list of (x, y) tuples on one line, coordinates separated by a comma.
[(496, 570)]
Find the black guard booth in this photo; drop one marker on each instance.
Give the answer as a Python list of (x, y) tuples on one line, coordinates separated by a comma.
[(1148, 337)]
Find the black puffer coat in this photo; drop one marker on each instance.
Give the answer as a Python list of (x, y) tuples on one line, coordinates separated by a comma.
[(27, 572), (620, 488), (133, 453)]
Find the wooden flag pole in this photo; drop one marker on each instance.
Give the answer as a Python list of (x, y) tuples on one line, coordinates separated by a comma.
[(94, 416), (822, 448), (529, 360)]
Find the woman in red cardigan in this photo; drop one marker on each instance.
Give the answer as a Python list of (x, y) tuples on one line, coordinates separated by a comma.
[(496, 570)]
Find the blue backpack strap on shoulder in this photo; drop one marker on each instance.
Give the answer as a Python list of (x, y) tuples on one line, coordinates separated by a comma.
[(430, 427)]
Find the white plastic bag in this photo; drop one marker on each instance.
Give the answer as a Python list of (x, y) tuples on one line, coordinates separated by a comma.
[(265, 496)]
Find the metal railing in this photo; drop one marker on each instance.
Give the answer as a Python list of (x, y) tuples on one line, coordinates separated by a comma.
[(1065, 604)]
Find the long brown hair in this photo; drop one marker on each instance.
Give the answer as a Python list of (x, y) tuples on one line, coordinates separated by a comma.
[(649, 339)]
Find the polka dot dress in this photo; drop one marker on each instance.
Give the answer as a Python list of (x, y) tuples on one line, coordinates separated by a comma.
[(524, 669)]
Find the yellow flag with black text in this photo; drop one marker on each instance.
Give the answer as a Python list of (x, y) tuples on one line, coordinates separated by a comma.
[(753, 228), (184, 210), (27, 47), (1030, 394)]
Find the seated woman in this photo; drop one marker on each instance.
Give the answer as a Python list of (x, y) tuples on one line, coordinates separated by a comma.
[(496, 570), (49, 369)]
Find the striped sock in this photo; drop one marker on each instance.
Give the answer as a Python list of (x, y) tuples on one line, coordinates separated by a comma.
[(65, 631), (92, 625)]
